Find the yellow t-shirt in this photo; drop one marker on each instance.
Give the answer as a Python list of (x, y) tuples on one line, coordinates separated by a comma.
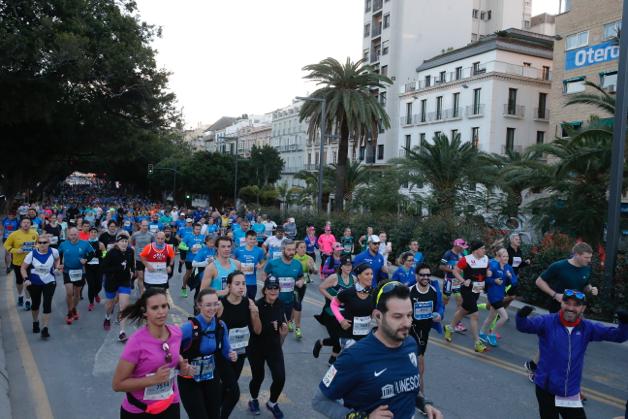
[(20, 240)]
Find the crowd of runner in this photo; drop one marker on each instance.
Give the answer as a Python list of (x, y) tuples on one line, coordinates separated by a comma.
[(378, 313)]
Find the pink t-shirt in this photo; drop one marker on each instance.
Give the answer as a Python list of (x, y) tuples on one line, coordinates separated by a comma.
[(326, 243), (147, 354)]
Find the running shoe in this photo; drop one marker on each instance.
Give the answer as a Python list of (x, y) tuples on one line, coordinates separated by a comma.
[(493, 332), (90, 307), (27, 305), (420, 405), (106, 325), (254, 407), (460, 328), (290, 327), (484, 338), (317, 349), (482, 306), (275, 410), (492, 340), (530, 366), (480, 347), (75, 314), (97, 299), (44, 333), (8, 270), (448, 332), (36, 327), (20, 301), (122, 337), (184, 293), (69, 318), (298, 334), (331, 360)]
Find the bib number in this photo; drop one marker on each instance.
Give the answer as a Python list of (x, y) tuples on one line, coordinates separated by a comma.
[(478, 287), (423, 310), (159, 275), (75, 275), (54, 240), (160, 391), (286, 284), (571, 401), (239, 339), (42, 271), (516, 261), (247, 268), (28, 246), (203, 368), (361, 325)]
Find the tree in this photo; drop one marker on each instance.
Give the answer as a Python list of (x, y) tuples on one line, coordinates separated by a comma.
[(380, 193), (352, 110), (357, 174), (266, 165), (308, 195)]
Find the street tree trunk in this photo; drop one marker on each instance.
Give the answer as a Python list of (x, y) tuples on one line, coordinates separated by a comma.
[(341, 166)]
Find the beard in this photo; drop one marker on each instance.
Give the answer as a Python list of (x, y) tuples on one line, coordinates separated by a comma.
[(397, 335)]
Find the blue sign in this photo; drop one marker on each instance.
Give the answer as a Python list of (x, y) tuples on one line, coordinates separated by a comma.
[(595, 54)]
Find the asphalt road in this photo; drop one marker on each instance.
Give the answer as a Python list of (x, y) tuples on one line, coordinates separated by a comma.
[(69, 376)]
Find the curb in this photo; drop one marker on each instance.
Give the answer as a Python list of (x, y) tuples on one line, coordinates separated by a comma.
[(5, 402)]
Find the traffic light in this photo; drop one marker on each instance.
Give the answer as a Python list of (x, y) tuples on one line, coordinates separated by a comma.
[(150, 169)]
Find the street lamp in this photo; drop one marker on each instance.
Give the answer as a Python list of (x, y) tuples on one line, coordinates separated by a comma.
[(235, 180), (320, 154)]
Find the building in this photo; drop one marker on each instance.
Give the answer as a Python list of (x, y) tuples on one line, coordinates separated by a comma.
[(544, 24), (289, 137), (585, 50), (226, 138), (195, 137), (209, 135), (493, 92), (401, 33), (253, 136)]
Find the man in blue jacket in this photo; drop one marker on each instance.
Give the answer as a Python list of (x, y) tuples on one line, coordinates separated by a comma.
[(563, 340)]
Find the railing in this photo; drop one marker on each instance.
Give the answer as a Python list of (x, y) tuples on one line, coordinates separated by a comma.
[(475, 111), (375, 54), (406, 120), (310, 166), (514, 111), (377, 30), (377, 4), (541, 114), (516, 149), (476, 71)]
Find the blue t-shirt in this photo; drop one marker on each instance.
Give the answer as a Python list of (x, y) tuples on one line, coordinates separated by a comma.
[(208, 336), (212, 229), (190, 240), (405, 277), (248, 261), (259, 229), (155, 226), (238, 237), (450, 259), (287, 274), (9, 226), (73, 253), (127, 223), (376, 262), (369, 374), (204, 253)]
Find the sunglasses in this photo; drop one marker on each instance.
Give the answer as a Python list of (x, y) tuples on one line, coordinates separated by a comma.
[(423, 275), (572, 293), (166, 348), (388, 287), (42, 242)]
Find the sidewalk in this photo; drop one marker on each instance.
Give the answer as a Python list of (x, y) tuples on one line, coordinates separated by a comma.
[(5, 402)]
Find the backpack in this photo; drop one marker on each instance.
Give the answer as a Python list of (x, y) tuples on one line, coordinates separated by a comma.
[(194, 350)]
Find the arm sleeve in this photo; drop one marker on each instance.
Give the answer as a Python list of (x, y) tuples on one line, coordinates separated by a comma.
[(600, 332), (514, 280), (335, 308), (532, 325), (490, 280), (327, 407), (186, 335)]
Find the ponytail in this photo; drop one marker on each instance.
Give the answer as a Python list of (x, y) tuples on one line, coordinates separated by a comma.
[(135, 312)]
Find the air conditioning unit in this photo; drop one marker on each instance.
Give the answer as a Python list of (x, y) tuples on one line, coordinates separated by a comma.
[(611, 88)]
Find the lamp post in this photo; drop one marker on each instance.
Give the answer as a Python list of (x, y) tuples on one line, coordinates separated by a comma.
[(235, 173), (320, 154), (617, 159)]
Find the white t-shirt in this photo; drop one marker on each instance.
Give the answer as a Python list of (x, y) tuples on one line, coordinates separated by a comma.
[(42, 269)]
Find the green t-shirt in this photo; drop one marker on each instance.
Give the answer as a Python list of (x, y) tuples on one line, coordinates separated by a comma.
[(562, 275), (347, 245)]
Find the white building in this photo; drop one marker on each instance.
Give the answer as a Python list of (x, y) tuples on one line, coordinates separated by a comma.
[(401, 33), (494, 93), (289, 137), (225, 138)]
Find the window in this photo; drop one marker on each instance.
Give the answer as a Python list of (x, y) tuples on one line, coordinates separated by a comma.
[(454, 134), (408, 113), (408, 142), (512, 101), (526, 64), (380, 127), (476, 101), (455, 113), (475, 13), (609, 80), (526, 24), (439, 108), (458, 73), (542, 109), (475, 137), (423, 109), (482, 15), (546, 72), (362, 152), (489, 15), (573, 86), (540, 137), (421, 139), (367, 5), (476, 68), (442, 76), (382, 98), (386, 20), (510, 139), (380, 152), (309, 158), (437, 134), (335, 157), (428, 81), (611, 30), (385, 48), (367, 30), (577, 40), (316, 158), (384, 70)]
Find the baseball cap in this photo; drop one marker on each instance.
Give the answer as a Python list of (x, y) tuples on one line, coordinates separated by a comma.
[(374, 239), (346, 260), (271, 282), (461, 243), (311, 228), (475, 245), (338, 246), (189, 220)]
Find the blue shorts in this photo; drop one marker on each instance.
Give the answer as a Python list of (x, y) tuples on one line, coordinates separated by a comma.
[(120, 290)]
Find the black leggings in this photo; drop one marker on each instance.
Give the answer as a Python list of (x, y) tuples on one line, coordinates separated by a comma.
[(172, 412), (333, 329), (36, 291), (273, 356), (548, 410), (230, 374), (94, 281), (201, 400)]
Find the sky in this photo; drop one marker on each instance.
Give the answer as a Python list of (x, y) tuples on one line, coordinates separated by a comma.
[(232, 57)]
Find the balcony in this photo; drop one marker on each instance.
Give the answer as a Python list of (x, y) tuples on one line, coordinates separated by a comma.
[(516, 149), (514, 111), (377, 5), (541, 115), (406, 120), (475, 111), (310, 167), (377, 30), (477, 71), (375, 54)]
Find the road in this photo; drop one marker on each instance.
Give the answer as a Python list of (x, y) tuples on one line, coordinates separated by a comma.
[(69, 376)]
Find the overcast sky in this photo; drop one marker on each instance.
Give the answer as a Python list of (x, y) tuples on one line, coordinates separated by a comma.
[(245, 56)]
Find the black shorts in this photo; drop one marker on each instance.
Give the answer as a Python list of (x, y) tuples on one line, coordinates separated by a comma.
[(66, 280), (182, 255), (188, 265), (139, 266), (512, 291), (19, 279), (497, 304), (469, 299), (421, 335), (162, 286)]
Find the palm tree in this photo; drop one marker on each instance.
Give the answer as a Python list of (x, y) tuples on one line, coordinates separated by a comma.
[(352, 110), (309, 193), (447, 167), (357, 174)]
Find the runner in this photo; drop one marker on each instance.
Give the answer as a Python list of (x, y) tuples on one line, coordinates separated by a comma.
[(563, 340), (515, 259), (474, 266), (311, 242), (202, 258), (329, 288), (241, 316), (406, 271), (355, 320), (418, 255), (139, 240), (10, 224), (363, 240), (118, 267), (93, 273), (266, 348), (215, 276), (108, 238), (260, 230), (18, 244), (378, 377), (309, 267), (332, 262), (158, 259), (205, 339), (191, 239), (375, 260), (149, 382), (451, 285), (53, 229), (326, 243), (347, 242), (251, 259), (273, 244), (184, 227), (74, 255), (289, 273), (38, 269), (290, 227)]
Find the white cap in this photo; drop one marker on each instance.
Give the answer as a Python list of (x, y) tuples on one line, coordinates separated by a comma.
[(189, 220), (374, 239)]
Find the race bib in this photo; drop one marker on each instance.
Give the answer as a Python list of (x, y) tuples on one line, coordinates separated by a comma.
[(516, 261), (161, 391), (93, 261), (127, 223), (110, 246), (361, 325), (423, 310), (75, 275), (28, 246), (203, 368), (239, 339), (247, 268), (286, 284), (42, 271), (54, 240), (571, 401), (276, 255), (478, 287), (159, 275), (154, 228)]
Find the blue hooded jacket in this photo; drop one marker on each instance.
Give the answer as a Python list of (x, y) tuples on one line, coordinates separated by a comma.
[(494, 292)]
